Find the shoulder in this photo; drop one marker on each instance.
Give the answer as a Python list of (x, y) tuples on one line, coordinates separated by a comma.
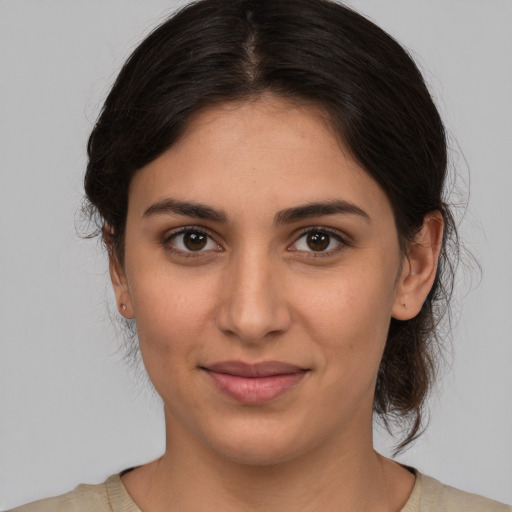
[(84, 497), (430, 495), (110, 496)]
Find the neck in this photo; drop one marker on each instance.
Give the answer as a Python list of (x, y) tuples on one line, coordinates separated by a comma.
[(347, 475)]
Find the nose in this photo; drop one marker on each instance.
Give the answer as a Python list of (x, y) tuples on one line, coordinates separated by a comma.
[(253, 304)]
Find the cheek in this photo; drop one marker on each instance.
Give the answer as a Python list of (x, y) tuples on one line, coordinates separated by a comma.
[(349, 326), (349, 318), (172, 310), (172, 316)]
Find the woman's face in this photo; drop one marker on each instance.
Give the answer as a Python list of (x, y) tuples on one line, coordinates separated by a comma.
[(262, 266)]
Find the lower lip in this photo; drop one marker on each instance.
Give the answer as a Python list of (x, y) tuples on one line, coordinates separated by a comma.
[(255, 390)]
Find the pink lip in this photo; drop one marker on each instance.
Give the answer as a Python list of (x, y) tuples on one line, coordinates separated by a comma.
[(254, 383)]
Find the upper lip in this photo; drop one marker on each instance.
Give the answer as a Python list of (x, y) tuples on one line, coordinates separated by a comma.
[(262, 369)]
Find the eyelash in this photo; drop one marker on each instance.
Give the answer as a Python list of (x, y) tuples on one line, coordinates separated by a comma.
[(168, 241)]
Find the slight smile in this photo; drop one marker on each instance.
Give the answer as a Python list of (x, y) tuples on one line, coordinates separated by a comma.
[(254, 383)]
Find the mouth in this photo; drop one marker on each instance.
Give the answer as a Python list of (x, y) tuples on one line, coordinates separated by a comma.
[(254, 383)]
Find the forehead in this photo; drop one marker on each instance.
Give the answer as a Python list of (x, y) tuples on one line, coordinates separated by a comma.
[(263, 125), (270, 153)]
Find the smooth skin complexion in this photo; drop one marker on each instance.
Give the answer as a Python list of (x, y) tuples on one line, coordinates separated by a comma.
[(262, 266)]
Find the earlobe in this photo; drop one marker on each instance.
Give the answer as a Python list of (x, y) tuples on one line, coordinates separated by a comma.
[(419, 268)]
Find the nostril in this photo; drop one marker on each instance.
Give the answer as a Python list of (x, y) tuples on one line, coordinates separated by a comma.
[(251, 323)]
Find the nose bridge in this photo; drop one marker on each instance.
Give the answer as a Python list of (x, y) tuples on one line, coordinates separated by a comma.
[(252, 304)]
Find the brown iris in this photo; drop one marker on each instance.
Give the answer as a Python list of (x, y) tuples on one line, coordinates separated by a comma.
[(318, 241), (194, 241)]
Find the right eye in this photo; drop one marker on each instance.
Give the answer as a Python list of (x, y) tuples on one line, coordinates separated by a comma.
[(191, 240)]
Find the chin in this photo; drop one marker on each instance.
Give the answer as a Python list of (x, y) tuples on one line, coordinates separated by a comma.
[(259, 453), (259, 444)]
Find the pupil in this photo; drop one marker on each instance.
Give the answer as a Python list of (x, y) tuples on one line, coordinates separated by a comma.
[(194, 241), (318, 241)]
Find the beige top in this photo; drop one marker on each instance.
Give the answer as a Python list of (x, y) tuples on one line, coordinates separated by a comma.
[(428, 495)]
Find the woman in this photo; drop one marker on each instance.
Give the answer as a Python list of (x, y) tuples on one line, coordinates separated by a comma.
[(269, 177)]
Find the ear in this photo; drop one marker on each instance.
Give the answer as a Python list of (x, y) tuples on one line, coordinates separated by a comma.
[(419, 268), (118, 277), (120, 285)]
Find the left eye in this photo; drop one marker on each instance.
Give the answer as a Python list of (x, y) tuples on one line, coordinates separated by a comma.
[(192, 241), (318, 241)]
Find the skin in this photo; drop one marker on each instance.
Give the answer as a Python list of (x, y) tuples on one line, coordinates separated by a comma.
[(258, 292)]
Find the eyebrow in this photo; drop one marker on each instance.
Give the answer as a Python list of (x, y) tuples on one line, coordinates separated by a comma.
[(309, 210), (187, 209), (287, 216)]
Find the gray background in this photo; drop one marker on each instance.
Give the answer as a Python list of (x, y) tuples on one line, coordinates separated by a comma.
[(70, 411)]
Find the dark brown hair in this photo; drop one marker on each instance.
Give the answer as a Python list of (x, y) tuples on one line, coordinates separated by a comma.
[(321, 52)]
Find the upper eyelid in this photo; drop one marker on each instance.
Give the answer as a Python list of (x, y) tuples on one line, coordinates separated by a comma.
[(183, 229), (323, 229)]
